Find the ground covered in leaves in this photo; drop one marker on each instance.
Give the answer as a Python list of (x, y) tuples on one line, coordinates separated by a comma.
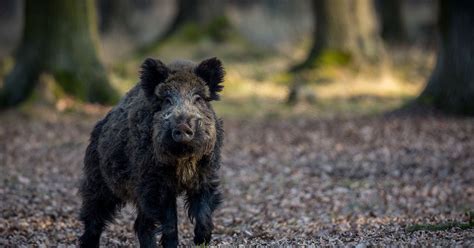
[(350, 181)]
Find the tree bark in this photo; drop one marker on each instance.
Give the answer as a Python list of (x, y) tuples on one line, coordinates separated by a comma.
[(60, 38), (196, 12), (451, 85), (393, 24), (346, 29), (114, 14)]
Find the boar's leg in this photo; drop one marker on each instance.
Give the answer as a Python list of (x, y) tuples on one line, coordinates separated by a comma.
[(98, 209), (157, 204), (146, 230), (201, 203), (169, 223), (99, 205)]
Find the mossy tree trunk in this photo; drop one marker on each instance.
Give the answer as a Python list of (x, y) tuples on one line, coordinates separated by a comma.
[(346, 30), (59, 38), (199, 13), (451, 85), (393, 23), (187, 12)]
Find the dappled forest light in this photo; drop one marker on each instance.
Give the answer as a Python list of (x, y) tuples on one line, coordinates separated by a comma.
[(345, 123)]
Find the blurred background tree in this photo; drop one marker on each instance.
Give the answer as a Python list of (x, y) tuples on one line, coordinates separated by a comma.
[(115, 14), (451, 85), (59, 38), (392, 21), (345, 32), (198, 17)]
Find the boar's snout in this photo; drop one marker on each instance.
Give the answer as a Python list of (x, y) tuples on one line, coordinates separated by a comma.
[(182, 133), (184, 128)]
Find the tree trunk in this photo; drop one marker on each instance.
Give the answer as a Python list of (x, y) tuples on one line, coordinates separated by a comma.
[(196, 12), (451, 85), (393, 25), (114, 14), (187, 12), (346, 31), (200, 13), (59, 38)]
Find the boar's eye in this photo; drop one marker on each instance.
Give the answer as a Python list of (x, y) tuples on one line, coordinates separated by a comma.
[(168, 102), (197, 99)]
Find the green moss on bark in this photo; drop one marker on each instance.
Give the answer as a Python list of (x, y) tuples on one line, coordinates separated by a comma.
[(59, 38)]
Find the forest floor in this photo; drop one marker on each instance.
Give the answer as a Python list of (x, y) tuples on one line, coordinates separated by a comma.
[(299, 181)]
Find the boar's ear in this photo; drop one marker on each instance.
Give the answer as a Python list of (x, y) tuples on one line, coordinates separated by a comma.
[(212, 72), (152, 73)]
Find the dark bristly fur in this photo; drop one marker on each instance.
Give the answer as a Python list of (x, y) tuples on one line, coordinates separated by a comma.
[(137, 154)]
